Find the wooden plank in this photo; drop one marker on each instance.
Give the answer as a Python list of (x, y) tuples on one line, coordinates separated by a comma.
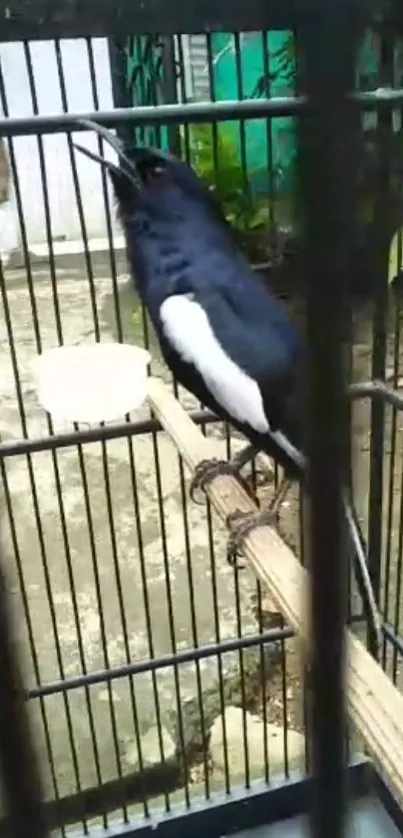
[(375, 705)]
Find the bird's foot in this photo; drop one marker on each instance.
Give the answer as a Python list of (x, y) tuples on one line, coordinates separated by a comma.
[(208, 469), (241, 524), (258, 476), (244, 456)]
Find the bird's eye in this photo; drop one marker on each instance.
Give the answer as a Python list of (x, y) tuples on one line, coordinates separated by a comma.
[(153, 174)]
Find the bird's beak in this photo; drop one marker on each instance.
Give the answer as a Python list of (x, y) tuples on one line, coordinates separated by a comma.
[(127, 167), (106, 164)]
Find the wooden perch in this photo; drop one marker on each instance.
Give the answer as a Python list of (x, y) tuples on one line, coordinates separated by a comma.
[(374, 704)]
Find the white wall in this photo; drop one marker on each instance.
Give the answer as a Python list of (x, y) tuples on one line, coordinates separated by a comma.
[(64, 216)]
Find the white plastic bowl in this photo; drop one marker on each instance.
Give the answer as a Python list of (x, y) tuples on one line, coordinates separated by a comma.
[(94, 383)]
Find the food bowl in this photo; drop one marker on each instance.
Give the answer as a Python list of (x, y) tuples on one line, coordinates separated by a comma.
[(91, 383)]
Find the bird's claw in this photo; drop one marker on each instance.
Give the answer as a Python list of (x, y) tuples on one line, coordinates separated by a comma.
[(206, 470), (256, 479), (241, 524), (247, 456)]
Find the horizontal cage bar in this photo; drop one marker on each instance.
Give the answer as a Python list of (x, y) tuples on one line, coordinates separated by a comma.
[(16, 448), (195, 112), (143, 667), (375, 390), (153, 664)]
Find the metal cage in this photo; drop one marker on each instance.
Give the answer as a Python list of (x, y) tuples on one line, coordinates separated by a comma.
[(178, 791)]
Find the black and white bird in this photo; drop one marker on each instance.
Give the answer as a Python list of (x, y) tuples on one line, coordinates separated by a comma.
[(223, 335)]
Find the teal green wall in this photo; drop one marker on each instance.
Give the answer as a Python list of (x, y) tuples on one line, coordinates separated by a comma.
[(270, 144), (266, 143), (276, 144), (144, 92)]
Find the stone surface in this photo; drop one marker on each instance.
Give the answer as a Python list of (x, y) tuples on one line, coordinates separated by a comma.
[(234, 728), (197, 717), (151, 749)]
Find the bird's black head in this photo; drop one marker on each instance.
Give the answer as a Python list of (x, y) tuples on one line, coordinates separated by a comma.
[(150, 173)]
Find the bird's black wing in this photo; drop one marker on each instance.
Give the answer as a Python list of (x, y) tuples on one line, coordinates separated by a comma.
[(244, 356)]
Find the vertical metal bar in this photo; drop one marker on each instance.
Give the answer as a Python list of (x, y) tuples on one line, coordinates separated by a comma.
[(379, 349), (107, 203), (169, 89), (45, 190), (389, 576), (79, 198), (171, 616), (120, 86), (30, 631), (184, 142), (20, 774), (326, 168), (267, 68), (246, 192), (398, 593), (242, 679)]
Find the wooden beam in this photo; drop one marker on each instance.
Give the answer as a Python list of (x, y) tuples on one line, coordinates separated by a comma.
[(375, 706)]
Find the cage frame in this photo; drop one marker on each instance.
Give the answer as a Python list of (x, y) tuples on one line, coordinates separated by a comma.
[(33, 19)]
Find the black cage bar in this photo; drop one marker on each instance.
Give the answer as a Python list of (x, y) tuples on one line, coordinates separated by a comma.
[(39, 19)]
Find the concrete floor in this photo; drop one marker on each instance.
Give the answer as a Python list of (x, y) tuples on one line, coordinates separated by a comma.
[(93, 575), (45, 557)]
